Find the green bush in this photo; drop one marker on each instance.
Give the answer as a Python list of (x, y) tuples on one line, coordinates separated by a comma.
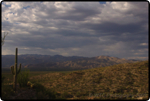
[(23, 78)]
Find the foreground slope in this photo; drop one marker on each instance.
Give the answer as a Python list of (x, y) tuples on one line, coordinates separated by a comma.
[(129, 81)]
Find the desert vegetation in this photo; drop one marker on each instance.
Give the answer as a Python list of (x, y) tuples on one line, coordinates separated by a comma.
[(121, 81)]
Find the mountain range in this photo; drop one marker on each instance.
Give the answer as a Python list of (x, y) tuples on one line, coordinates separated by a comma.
[(36, 62)]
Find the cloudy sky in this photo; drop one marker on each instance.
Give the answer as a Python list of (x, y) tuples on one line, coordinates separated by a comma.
[(117, 29)]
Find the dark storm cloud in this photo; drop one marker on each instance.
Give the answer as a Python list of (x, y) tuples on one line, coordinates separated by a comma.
[(128, 32), (113, 28), (50, 42)]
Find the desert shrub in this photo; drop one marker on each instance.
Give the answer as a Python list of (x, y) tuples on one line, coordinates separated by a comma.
[(43, 93), (39, 87), (66, 95), (23, 78), (6, 91), (2, 80), (78, 94)]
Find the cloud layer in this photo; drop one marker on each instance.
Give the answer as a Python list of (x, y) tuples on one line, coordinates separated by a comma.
[(118, 29)]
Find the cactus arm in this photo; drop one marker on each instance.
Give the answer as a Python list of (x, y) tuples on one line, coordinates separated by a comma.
[(19, 69), (16, 59), (12, 70)]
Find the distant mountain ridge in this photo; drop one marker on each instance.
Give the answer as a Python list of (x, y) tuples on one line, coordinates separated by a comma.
[(58, 62), (25, 59)]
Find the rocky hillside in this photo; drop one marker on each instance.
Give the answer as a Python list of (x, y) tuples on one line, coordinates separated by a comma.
[(128, 81)]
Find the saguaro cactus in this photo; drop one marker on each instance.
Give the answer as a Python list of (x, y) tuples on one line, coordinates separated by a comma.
[(15, 72)]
